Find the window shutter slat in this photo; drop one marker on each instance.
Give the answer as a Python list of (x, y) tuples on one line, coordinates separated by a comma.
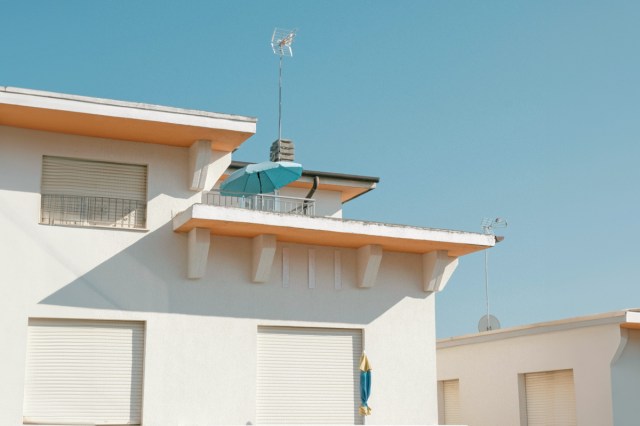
[(308, 375), (550, 398), (451, 403), (84, 372), (70, 176)]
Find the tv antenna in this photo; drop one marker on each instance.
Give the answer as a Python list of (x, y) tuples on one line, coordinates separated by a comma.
[(488, 322), (281, 42)]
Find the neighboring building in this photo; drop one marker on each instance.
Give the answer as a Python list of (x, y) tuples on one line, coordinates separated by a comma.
[(131, 294), (582, 371)]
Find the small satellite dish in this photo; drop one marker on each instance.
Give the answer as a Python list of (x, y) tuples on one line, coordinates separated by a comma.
[(488, 323)]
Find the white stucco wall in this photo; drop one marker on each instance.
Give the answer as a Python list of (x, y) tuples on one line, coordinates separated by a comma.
[(201, 335), (488, 372)]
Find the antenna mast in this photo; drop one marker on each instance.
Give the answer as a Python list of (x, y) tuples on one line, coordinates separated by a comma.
[(281, 41), (489, 322)]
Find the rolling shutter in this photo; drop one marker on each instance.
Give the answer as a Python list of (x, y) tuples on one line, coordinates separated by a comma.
[(84, 372), (308, 375), (86, 192), (550, 398), (72, 176), (451, 402)]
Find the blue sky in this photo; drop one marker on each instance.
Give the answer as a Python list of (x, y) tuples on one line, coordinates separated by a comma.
[(525, 110)]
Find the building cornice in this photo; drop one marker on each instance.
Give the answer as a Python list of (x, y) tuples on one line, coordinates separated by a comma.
[(628, 318), (106, 118)]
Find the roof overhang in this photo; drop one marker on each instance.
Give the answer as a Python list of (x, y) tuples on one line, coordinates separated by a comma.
[(324, 231), (103, 118), (349, 186), (632, 319)]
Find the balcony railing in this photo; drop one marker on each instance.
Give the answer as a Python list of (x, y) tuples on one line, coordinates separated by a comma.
[(262, 202), (92, 211)]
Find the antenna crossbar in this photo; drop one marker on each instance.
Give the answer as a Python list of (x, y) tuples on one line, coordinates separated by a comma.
[(281, 41)]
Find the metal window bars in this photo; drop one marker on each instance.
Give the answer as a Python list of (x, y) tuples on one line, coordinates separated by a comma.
[(262, 202), (93, 211)]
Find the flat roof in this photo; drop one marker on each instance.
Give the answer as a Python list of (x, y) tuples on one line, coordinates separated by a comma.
[(350, 186), (325, 231), (626, 318), (131, 121)]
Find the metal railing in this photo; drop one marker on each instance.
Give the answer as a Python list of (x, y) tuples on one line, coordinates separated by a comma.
[(92, 211), (261, 202)]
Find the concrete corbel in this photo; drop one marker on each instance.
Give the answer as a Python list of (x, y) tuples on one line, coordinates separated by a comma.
[(368, 258), (206, 165), (437, 268), (263, 252), (198, 244)]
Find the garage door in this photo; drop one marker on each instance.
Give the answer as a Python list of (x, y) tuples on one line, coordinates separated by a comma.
[(308, 375), (87, 372)]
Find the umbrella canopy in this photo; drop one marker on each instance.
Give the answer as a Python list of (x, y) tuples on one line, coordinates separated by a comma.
[(261, 178), (365, 385)]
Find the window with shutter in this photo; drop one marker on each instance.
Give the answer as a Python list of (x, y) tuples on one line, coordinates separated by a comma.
[(550, 398), (449, 402), (93, 193), (84, 372), (308, 375)]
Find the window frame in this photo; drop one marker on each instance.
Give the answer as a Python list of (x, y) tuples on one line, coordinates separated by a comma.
[(65, 202)]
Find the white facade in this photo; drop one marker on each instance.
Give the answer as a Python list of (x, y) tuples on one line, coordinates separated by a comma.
[(200, 358), (600, 353)]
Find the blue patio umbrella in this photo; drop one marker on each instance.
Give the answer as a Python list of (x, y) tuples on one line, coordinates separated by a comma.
[(261, 178), (365, 385)]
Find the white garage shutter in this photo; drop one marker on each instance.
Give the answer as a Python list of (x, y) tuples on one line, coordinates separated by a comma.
[(84, 372), (451, 402), (87, 192), (550, 398), (308, 375)]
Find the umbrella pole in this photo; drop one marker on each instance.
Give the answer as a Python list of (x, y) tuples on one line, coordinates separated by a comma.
[(259, 194)]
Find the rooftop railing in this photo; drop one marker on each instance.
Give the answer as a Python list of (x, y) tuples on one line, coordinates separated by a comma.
[(261, 202)]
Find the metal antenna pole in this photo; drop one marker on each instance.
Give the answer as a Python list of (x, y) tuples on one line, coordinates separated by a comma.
[(486, 284), (488, 225), (280, 102), (281, 41)]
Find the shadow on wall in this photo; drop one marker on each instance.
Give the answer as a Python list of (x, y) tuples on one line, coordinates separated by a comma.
[(23, 149), (150, 276)]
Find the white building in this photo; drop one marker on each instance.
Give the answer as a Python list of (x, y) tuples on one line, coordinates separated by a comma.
[(582, 371), (125, 299)]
